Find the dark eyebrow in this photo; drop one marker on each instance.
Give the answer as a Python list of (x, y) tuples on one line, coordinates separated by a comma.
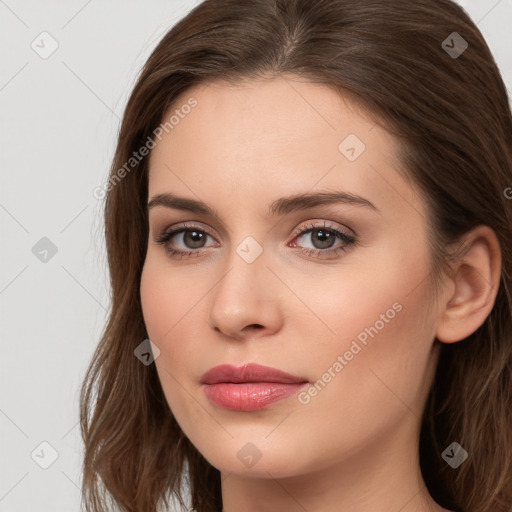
[(182, 203), (289, 204), (280, 206)]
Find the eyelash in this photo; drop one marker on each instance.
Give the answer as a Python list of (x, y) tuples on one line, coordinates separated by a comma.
[(349, 240)]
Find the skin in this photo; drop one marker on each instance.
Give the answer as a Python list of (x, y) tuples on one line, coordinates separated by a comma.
[(353, 447)]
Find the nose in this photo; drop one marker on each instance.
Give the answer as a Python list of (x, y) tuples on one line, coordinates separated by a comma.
[(245, 301)]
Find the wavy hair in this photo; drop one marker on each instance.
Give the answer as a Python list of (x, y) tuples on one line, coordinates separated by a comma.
[(451, 116)]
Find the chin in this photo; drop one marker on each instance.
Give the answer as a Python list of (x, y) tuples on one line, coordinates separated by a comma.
[(254, 459)]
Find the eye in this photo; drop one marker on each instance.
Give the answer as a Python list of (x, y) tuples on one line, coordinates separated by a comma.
[(191, 236), (323, 238)]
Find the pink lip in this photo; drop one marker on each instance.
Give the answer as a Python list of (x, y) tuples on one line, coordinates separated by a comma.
[(249, 387), (248, 373), (249, 396)]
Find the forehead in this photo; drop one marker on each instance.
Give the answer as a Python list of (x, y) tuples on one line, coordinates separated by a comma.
[(267, 138)]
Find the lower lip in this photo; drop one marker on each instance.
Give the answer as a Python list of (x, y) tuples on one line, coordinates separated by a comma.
[(249, 396)]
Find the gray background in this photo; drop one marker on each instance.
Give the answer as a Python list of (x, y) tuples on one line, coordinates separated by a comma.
[(60, 117)]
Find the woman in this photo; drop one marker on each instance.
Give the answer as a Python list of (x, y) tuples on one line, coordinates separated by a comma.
[(308, 227)]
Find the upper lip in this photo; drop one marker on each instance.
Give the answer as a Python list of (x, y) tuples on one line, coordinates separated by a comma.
[(248, 373)]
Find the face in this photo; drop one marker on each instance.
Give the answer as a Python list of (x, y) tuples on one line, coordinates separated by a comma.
[(329, 290)]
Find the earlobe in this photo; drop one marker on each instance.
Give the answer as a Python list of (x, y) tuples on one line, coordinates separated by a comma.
[(476, 280)]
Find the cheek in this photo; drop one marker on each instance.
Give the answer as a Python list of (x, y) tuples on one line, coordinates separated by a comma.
[(174, 314), (165, 297), (383, 375), (157, 303), (386, 355), (379, 326), (168, 310), (165, 303)]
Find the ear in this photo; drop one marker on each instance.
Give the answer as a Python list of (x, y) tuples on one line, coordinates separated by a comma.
[(473, 287)]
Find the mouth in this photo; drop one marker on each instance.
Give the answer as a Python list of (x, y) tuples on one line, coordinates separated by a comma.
[(249, 396), (249, 387)]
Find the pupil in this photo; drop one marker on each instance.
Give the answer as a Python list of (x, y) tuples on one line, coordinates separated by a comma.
[(327, 238), (194, 238)]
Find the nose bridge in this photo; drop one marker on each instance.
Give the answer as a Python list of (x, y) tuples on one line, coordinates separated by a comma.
[(246, 269), (244, 295)]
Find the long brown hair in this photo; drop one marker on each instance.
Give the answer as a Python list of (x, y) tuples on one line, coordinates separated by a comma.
[(442, 96)]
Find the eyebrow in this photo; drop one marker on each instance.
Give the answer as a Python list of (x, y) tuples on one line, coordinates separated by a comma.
[(281, 206)]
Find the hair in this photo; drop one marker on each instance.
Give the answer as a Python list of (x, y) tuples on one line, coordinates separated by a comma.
[(453, 122)]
